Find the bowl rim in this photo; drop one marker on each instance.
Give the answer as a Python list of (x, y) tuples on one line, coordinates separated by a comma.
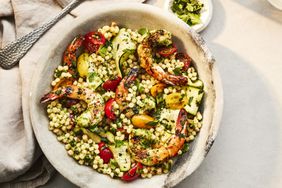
[(126, 6)]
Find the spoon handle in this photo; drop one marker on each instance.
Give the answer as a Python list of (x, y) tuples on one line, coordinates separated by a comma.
[(11, 54)]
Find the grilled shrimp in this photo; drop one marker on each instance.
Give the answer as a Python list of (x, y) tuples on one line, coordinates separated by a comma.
[(95, 110), (122, 89), (69, 57), (145, 53), (153, 156)]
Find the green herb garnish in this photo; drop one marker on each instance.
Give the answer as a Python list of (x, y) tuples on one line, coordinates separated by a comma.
[(177, 71), (143, 31), (152, 123), (119, 143), (188, 10), (185, 148)]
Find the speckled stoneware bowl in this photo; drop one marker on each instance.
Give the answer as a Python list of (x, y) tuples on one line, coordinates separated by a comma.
[(132, 16)]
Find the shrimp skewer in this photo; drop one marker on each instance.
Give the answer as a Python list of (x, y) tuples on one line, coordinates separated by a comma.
[(155, 156), (145, 53), (95, 110)]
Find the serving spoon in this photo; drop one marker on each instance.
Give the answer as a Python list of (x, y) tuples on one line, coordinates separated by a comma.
[(11, 54)]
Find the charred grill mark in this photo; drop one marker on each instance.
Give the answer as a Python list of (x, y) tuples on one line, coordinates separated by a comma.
[(142, 154), (132, 75), (68, 90)]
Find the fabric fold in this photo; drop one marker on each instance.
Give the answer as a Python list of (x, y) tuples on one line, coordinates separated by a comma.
[(22, 164), (19, 166)]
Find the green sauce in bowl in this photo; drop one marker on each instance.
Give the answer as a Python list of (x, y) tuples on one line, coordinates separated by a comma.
[(188, 10)]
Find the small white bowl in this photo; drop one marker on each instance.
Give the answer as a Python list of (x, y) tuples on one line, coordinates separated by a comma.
[(134, 16), (206, 13), (276, 3)]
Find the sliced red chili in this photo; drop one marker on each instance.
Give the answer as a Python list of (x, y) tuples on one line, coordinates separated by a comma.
[(93, 41), (185, 58), (133, 173), (111, 85), (109, 109), (167, 51)]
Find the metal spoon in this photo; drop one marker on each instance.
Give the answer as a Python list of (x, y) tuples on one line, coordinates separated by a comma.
[(11, 54)]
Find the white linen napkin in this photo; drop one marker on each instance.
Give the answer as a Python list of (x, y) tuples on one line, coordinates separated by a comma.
[(21, 161)]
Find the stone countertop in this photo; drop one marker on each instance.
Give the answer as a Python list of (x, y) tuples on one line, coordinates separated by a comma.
[(246, 39)]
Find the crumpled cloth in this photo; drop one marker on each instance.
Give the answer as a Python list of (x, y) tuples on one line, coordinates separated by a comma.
[(22, 163)]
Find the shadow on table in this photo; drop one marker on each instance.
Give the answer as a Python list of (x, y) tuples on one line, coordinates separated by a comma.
[(262, 7), (217, 23), (246, 151)]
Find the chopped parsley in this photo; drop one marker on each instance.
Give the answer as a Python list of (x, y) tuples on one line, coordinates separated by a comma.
[(143, 31), (147, 143), (58, 92), (190, 101), (152, 123), (119, 143), (185, 148), (177, 71)]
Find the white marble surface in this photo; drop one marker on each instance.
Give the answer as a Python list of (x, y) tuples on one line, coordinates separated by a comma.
[(246, 39)]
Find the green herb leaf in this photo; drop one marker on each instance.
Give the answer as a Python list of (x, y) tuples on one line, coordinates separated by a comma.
[(148, 143), (104, 49), (185, 148), (113, 164), (104, 140), (152, 123), (72, 143), (177, 71), (119, 143), (91, 76), (143, 31), (190, 100)]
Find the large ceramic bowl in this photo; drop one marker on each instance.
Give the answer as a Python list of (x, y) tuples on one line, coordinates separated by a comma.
[(133, 16)]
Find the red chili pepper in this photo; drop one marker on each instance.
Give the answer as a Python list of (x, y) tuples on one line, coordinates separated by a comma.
[(93, 40), (133, 173), (185, 58), (167, 51), (109, 109), (105, 152), (111, 85)]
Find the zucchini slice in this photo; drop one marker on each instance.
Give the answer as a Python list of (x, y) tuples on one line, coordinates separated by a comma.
[(103, 50), (121, 156), (93, 80), (123, 46), (197, 84), (195, 96), (176, 100), (109, 136), (91, 135)]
